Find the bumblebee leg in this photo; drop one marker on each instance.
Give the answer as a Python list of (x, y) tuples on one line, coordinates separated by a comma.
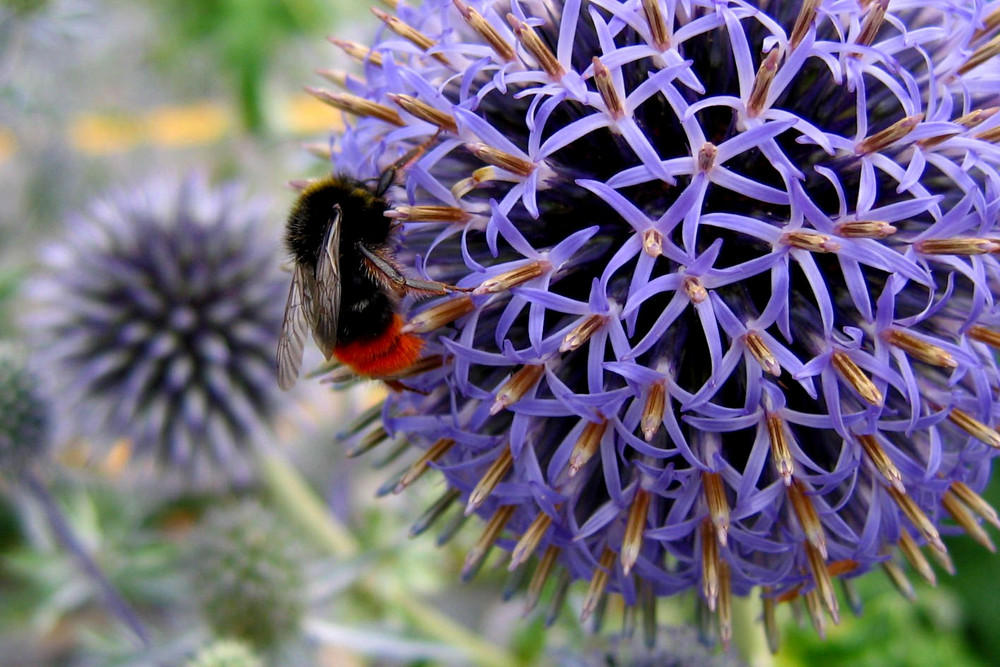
[(386, 271)]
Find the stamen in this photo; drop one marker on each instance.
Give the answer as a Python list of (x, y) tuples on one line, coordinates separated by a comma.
[(598, 583), (957, 246), (652, 242), (991, 135), (811, 241), (424, 111), (805, 512), (372, 439), (504, 160), (975, 502), (969, 120), (434, 512), (419, 467), (854, 376), (320, 150), (864, 229), (709, 564), (694, 289), (429, 213), (635, 527), (824, 585), (536, 47), (477, 554), (718, 506), (653, 411), (815, 610), (358, 51), (918, 519), (772, 631), (888, 136), (358, 106), (409, 33), (582, 332), (762, 83), (725, 604), (963, 517), (497, 471), (440, 314), (872, 23), (920, 349), (489, 34), (981, 55), (882, 462), (762, 353), (990, 23), (781, 453), (586, 445), (974, 427), (421, 365), (807, 14), (558, 599), (606, 87), (464, 186), (657, 24), (984, 335), (706, 156), (512, 278), (530, 540), (337, 77), (540, 576), (899, 580), (514, 389)]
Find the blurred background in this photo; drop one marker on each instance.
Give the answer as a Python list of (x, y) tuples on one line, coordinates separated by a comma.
[(104, 96)]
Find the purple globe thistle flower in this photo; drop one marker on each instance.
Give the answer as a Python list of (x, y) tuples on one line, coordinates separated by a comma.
[(732, 275), (158, 316)]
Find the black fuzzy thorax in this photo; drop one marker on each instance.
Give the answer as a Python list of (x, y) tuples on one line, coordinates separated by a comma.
[(366, 310)]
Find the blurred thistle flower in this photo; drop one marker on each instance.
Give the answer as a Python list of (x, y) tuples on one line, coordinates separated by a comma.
[(676, 647), (225, 653), (24, 415), (158, 316), (246, 571), (733, 269)]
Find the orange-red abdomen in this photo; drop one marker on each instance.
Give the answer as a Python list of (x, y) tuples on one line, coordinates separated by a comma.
[(389, 353)]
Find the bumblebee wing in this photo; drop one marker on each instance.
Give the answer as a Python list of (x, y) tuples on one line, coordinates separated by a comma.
[(294, 329), (327, 305)]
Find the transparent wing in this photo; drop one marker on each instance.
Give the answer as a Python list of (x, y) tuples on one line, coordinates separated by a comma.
[(294, 329), (327, 292)]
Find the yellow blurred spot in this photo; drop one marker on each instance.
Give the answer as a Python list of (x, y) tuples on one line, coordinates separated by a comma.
[(102, 134), (307, 115), (8, 145), (187, 126), (117, 458)]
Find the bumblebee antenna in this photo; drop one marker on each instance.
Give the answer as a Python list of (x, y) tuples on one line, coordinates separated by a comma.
[(388, 177)]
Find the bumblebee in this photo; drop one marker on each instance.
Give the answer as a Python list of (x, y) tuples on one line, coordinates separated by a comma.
[(345, 282)]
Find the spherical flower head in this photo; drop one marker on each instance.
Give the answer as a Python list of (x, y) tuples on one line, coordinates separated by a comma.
[(158, 315), (24, 414), (225, 653), (246, 570), (731, 278)]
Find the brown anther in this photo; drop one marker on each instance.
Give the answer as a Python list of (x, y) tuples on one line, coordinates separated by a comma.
[(872, 23), (888, 136), (502, 159), (582, 332), (781, 453), (762, 83), (534, 45), (814, 607), (489, 34), (805, 19), (772, 631), (530, 540), (881, 461), (974, 427), (337, 77), (706, 156), (899, 580), (919, 520), (477, 554), (762, 353), (482, 175), (358, 51), (694, 289), (990, 23), (657, 24), (606, 87), (975, 502), (372, 439), (496, 472), (586, 445), (444, 312), (725, 604), (514, 389), (709, 564), (855, 377), (540, 576), (409, 33), (434, 512), (419, 467), (804, 239), (635, 528), (981, 55), (652, 242), (429, 213), (821, 577), (920, 349), (320, 150), (969, 120), (805, 512), (864, 229), (985, 335), (358, 106), (653, 411), (421, 365), (718, 506), (424, 111), (916, 558), (957, 246), (512, 278), (964, 518), (598, 583)]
